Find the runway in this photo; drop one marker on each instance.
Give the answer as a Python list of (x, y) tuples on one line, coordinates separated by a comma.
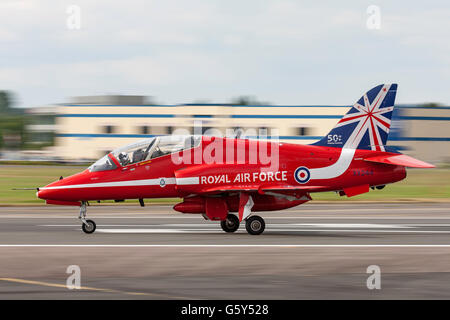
[(312, 251), (354, 224)]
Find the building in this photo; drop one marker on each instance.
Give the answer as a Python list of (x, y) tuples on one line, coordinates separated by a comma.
[(93, 126), (424, 133), (41, 126)]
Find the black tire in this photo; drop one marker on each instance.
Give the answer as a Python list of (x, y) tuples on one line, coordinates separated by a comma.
[(90, 228), (255, 225), (230, 224)]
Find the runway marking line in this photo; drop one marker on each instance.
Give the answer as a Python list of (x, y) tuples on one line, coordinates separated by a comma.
[(57, 285), (208, 228), (203, 231), (227, 245), (326, 217)]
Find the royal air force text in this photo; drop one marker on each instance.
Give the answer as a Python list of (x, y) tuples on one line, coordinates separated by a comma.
[(246, 177)]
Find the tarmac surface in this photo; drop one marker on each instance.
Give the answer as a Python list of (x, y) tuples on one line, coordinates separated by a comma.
[(314, 251)]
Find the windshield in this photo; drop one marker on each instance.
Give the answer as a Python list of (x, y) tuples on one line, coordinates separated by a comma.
[(169, 144), (103, 164), (135, 152)]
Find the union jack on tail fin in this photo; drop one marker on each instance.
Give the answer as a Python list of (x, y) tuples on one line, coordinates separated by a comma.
[(366, 125)]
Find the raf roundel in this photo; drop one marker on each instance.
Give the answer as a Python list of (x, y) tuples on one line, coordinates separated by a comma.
[(302, 175)]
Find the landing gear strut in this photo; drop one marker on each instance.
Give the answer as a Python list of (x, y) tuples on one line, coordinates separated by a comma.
[(88, 226), (230, 224), (255, 225)]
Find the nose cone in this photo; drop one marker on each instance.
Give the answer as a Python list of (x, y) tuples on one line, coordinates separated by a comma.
[(60, 189), (41, 194), (49, 194), (53, 191)]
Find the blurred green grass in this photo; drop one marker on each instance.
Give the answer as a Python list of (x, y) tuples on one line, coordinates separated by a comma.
[(431, 184)]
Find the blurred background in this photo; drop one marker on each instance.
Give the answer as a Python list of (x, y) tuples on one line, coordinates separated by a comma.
[(78, 79)]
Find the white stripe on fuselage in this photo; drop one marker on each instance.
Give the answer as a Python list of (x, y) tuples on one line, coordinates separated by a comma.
[(130, 183), (336, 169), (330, 172), (187, 181)]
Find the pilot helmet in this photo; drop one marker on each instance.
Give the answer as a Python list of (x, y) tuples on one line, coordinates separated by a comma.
[(123, 157)]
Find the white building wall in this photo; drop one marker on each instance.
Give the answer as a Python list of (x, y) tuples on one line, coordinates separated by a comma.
[(81, 128)]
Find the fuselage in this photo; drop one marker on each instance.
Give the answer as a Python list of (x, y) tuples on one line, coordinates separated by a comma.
[(217, 177), (225, 164)]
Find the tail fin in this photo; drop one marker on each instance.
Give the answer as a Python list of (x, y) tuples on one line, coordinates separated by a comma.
[(366, 125)]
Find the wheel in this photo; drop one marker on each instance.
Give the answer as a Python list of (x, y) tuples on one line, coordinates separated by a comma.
[(230, 224), (89, 227), (255, 225)]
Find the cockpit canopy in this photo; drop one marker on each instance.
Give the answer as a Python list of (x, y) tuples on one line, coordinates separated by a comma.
[(144, 150)]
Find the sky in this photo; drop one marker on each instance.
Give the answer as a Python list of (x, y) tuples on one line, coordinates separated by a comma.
[(281, 52)]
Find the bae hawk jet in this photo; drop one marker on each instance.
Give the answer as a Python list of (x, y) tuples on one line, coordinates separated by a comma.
[(225, 180)]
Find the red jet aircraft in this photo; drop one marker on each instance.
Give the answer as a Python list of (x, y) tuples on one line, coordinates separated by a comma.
[(217, 176)]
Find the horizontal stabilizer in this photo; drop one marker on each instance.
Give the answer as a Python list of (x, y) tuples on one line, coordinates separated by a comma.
[(400, 160)]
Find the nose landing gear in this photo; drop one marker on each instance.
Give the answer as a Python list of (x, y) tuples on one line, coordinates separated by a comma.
[(88, 226)]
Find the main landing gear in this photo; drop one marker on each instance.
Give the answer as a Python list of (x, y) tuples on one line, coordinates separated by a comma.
[(230, 224), (88, 226), (254, 225)]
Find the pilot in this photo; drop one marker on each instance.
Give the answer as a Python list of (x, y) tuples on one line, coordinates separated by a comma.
[(157, 153), (124, 159), (139, 155)]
